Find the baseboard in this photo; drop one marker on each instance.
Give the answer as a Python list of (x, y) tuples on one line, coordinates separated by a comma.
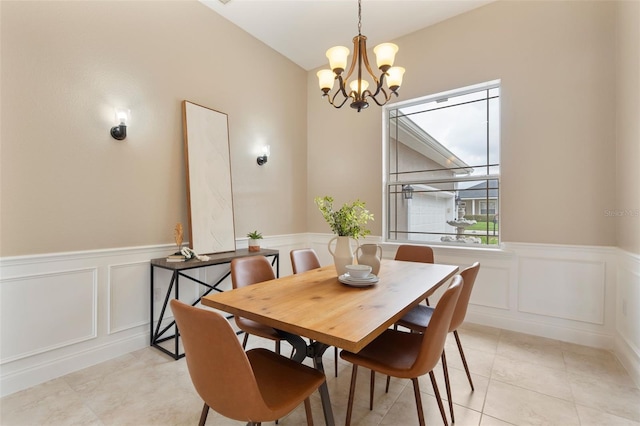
[(542, 329), (53, 368), (629, 357)]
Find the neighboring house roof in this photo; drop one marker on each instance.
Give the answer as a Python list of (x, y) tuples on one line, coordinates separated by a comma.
[(416, 138), (479, 191)]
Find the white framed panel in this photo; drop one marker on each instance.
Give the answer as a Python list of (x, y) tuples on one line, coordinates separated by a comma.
[(43, 312), (491, 288), (129, 296), (562, 288)]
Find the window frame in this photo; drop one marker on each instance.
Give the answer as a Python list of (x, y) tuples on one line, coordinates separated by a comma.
[(387, 184)]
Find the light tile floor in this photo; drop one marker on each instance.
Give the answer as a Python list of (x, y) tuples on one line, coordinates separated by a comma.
[(519, 380)]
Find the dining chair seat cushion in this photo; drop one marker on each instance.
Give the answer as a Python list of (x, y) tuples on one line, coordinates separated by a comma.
[(392, 353), (417, 319), (257, 329), (281, 381)]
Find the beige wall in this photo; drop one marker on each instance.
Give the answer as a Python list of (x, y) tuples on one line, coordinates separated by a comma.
[(557, 66), (66, 185), (628, 127)]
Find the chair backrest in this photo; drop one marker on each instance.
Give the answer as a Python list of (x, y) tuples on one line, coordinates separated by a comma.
[(303, 260), (250, 270), (410, 253), (219, 368), (469, 276), (436, 333)]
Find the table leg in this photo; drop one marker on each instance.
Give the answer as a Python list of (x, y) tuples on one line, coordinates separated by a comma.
[(315, 351)]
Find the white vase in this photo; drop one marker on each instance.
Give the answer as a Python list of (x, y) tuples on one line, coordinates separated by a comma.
[(370, 254), (342, 253)]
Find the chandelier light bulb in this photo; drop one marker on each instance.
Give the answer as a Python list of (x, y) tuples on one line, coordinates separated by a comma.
[(338, 58), (354, 86), (385, 55), (325, 80), (394, 78)]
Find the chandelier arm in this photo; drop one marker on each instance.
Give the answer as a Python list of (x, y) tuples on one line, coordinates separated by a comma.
[(356, 53), (365, 57), (332, 99), (386, 95), (334, 104), (379, 84), (341, 85)]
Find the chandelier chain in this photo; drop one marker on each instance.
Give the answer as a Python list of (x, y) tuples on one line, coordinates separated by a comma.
[(359, 17)]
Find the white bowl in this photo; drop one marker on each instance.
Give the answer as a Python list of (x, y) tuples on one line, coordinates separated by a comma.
[(358, 271)]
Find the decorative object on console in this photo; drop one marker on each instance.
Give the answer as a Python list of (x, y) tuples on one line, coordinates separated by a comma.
[(348, 222), (189, 254), (178, 235), (358, 88), (123, 116), (266, 152), (254, 240)]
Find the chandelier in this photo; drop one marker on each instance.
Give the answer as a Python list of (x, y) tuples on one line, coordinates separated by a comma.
[(358, 89)]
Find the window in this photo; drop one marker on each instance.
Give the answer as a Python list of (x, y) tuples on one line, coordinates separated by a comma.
[(442, 168)]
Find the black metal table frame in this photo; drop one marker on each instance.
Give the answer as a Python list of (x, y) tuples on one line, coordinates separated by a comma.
[(156, 336), (313, 350)]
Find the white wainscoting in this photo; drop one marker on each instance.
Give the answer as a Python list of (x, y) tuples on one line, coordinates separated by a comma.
[(627, 345), (64, 312)]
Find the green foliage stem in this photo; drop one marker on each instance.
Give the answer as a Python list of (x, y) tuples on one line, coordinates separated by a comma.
[(349, 221)]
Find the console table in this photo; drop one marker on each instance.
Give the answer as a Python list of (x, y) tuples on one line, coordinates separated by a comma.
[(178, 268)]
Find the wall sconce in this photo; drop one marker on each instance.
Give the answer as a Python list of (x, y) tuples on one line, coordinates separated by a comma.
[(266, 152), (407, 192), (123, 116)]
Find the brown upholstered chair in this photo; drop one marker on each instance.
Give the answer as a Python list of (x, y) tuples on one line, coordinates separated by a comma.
[(246, 271), (303, 260), (408, 355), (410, 253), (407, 253), (418, 320), (256, 386)]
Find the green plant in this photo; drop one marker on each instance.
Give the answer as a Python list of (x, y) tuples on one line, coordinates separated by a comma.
[(255, 235), (349, 221)]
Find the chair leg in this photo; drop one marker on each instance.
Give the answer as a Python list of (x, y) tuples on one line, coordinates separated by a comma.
[(427, 301), (445, 370), (464, 361), (307, 410), (386, 389), (244, 341), (278, 347), (335, 361), (203, 415), (438, 398), (416, 392), (352, 388), (372, 389)]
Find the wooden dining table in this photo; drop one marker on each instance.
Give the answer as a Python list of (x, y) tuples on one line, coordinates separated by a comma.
[(316, 305)]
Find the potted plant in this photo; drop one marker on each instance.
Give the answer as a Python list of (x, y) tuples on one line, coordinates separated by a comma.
[(254, 240), (347, 222)]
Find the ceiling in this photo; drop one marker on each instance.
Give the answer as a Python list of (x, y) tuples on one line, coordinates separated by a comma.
[(302, 30)]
